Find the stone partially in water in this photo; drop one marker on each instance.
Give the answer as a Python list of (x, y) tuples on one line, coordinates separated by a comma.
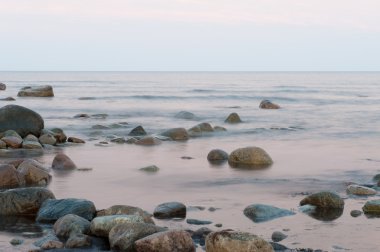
[(170, 210), (47, 139), (176, 134), (76, 140), (324, 199), (356, 213), (228, 241), (233, 118), (126, 210), (360, 190), (278, 236), (101, 226), (78, 241), (150, 169), (267, 104), (34, 173), (71, 224), (138, 131), (185, 115), (260, 213), (254, 157), (3, 86), (217, 155), (38, 91), (198, 222), (63, 162), (147, 141), (372, 207)]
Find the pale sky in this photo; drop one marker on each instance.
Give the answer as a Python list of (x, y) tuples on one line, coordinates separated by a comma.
[(190, 35)]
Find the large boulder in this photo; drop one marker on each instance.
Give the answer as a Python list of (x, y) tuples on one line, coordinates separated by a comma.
[(123, 236), (34, 173), (170, 210), (176, 134), (372, 207), (267, 104), (53, 209), (9, 177), (125, 210), (23, 201), (250, 157), (63, 162), (101, 226), (261, 213), (167, 241), (70, 225), (228, 241), (38, 91), (24, 121)]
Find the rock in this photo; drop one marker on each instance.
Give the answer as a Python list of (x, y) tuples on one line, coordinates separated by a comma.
[(123, 236), (199, 236), (101, 226), (170, 210), (167, 241), (119, 140), (219, 129), (16, 242), (82, 115), (49, 237), (63, 162), (9, 177), (33, 173), (233, 118), (261, 213), (3, 145), (200, 129), (219, 225), (38, 91), (78, 241), (360, 190), (59, 135), (9, 98), (266, 104), (322, 214), (24, 121), (133, 140), (324, 199), (278, 236), (227, 241), (356, 213), (31, 142), (251, 157), (372, 207), (217, 155), (176, 134), (71, 224), (126, 210), (138, 131), (52, 245), (98, 126), (23, 201), (198, 222), (76, 140), (52, 209), (185, 115), (376, 178), (2, 86), (47, 139), (150, 168), (12, 142), (148, 140)]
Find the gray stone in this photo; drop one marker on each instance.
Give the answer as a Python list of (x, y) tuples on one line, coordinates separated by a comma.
[(138, 131), (48, 238), (170, 210), (52, 209), (219, 129), (82, 115), (254, 157), (71, 224), (38, 91), (75, 140), (356, 213), (63, 162), (9, 98), (23, 201), (228, 241), (31, 138), (119, 140), (278, 236), (3, 86), (3, 145), (101, 226), (24, 121), (123, 236), (31, 145), (167, 241), (261, 213), (98, 126), (266, 104), (59, 135), (233, 118), (16, 241)]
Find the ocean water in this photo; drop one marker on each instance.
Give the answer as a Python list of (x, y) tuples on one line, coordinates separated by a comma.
[(325, 135)]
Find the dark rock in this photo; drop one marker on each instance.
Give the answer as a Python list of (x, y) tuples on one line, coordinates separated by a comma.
[(261, 213), (170, 210), (253, 157), (324, 199), (233, 118), (9, 177), (16, 242), (8, 99), (372, 207), (78, 241), (3, 86), (226, 241), (101, 226), (199, 236), (356, 213), (75, 140), (217, 156), (138, 131), (266, 104), (71, 224), (219, 225), (198, 222), (176, 134), (63, 162), (278, 236), (52, 209), (39, 91), (123, 236), (82, 115), (23, 201), (219, 129), (24, 121), (119, 140), (167, 241)]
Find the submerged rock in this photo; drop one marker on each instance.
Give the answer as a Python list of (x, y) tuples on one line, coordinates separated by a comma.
[(170, 210), (267, 104), (233, 118), (101, 226), (254, 157), (372, 207), (24, 121), (360, 190), (59, 135), (23, 201), (126, 210), (185, 115), (63, 162), (356, 213), (227, 241), (150, 168), (167, 241), (9, 98), (217, 155), (38, 91), (176, 134), (260, 213), (52, 209), (138, 131)]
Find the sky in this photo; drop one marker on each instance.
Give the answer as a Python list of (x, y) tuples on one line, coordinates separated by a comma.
[(189, 35)]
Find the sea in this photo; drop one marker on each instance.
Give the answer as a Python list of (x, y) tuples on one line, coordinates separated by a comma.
[(325, 136)]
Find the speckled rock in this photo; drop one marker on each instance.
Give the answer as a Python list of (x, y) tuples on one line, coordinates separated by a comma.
[(126, 210), (38, 91), (360, 190), (233, 118), (63, 162), (101, 226), (31, 145), (71, 224), (170, 210), (267, 104), (167, 241), (261, 212), (324, 199), (372, 207), (176, 134), (225, 241), (3, 145), (250, 156)]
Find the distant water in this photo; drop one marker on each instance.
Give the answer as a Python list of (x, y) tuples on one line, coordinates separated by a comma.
[(326, 134)]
